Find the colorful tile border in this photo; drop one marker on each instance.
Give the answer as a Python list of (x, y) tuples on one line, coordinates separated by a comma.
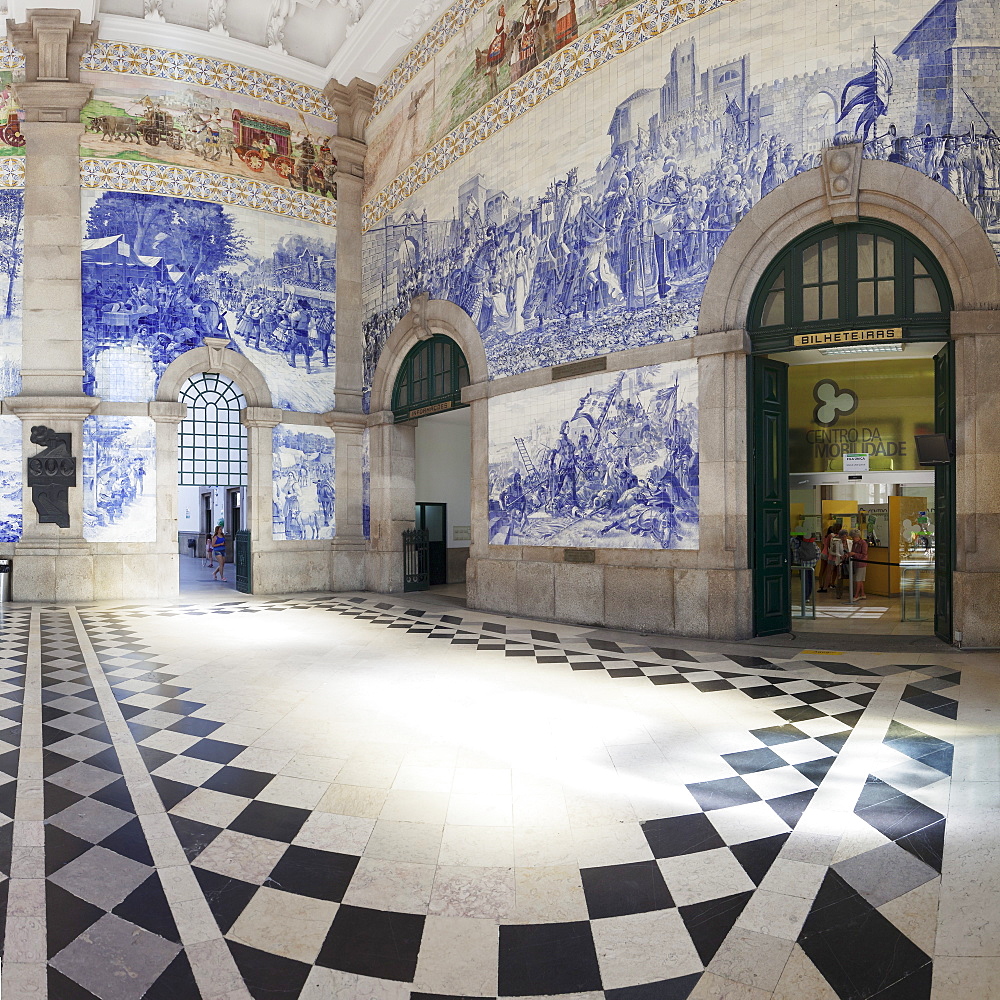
[(204, 71), (622, 33), (204, 185), (10, 58), (11, 171)]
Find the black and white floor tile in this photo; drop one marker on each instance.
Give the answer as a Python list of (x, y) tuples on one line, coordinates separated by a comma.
[(348, 811)]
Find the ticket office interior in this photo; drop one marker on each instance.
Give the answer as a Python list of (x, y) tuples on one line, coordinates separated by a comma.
[(853, 416)]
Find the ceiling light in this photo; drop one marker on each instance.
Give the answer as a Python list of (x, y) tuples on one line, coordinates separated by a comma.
[(863, 349)]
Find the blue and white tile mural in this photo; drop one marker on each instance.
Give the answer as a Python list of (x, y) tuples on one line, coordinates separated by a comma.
[(119, 479), (160, 274), (609, 461), (366, 483), (304, 498), (11, 482), (11, 260), (588, 222)]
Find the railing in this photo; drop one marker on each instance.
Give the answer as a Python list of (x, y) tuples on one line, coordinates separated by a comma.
[(416, 560)]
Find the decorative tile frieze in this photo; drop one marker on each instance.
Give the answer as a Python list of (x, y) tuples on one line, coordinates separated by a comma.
[(204, 185)]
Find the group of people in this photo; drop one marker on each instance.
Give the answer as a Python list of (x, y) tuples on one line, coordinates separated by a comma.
[(839, 557)]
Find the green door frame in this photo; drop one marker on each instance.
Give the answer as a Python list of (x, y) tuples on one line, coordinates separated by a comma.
[(944, 495), (768, 494)]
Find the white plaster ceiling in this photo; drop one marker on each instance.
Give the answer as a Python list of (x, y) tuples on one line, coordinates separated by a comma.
[(312, 41)]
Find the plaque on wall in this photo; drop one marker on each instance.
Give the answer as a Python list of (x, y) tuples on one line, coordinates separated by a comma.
[(50, 475)]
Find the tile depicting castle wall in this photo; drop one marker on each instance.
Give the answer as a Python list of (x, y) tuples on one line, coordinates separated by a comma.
[(160, 274), (584, 212)]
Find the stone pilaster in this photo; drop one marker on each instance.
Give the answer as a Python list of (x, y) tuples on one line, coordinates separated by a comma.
[(349, 544), (353, 105)]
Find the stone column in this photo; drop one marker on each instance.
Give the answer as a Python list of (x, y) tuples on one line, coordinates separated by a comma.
[(164, 561), (393, 493), (353, 105), (52, 563), (260, 422), (977, 473)]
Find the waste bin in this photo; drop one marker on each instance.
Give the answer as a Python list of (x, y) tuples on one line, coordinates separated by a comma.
[(6, 567)]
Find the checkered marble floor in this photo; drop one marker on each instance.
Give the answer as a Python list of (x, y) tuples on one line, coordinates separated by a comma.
[(354, 796)]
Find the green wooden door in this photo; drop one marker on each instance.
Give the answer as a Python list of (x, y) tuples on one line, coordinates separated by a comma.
[(768, 494), (944, 494)]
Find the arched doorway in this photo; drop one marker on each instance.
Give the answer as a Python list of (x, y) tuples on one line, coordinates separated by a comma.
[(851, 368), (428, 389), (212, 476)]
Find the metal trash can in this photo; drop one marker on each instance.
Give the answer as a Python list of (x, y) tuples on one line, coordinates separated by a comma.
[(6, 572)]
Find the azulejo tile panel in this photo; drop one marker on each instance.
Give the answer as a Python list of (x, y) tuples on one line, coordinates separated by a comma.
[(203, 71), (11, 172), (206, 185), (303, 476), (607, 462), (160, 273), (11, 481)]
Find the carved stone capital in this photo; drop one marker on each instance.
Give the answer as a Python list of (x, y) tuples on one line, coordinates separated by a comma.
[(216, 348), (48, 408), (353, 105), (260, 416), (52, 41), (350, 156), (168, 413), (841, 167)]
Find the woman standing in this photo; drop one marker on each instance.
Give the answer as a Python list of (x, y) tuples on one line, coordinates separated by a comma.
[(219, 551), (859, 556)]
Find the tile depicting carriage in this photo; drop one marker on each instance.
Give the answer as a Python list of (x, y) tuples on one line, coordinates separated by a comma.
[(164, 122)]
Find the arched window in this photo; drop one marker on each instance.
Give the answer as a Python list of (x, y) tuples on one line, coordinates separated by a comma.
[(212, 443), (856, 276), (431, 378)]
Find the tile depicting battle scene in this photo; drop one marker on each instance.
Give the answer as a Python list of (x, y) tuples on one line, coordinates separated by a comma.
[(605, 462), (496, 47), (303, 477), (11, 482), (590, 224), (119, 479), (161, 274), (164, 121)]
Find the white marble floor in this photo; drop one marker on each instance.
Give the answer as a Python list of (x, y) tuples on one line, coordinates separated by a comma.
[(358, 796)]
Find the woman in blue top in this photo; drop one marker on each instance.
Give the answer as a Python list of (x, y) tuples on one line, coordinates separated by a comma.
[(219, 551)]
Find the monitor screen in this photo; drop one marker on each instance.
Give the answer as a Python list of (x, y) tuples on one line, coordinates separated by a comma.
[(933, 449)]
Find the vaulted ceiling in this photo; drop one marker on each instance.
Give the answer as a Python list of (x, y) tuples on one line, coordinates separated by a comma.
[(308, 40)]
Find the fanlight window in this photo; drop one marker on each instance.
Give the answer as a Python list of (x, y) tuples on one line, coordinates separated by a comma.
[(212, 443), (434, 372), (864, 274)]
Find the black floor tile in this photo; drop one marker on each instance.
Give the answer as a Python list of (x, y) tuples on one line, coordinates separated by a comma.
[(267, 819), (108, 759), (171, 792), (776, 735), (309, 872), (537, 959), (759, 691), (709, 686), (858, 951), (61, 848), (675, 654), (835, 741), (722, 792), (676, 835), (214, 750), (194, 836), (757, 856), (116, 794), (927, 844), (154, 758), (66, 917), (898, 816), (378, 943), (239, 781), (940, 759), (140, 732), (227, 897), (53, 763), (147, 906), (800, 713), (791, 807), (194, 727), (129, 841), (63, 988), (269, 977), (177, 982), (850, 719), (815, 697), (751, 761), (916, 986), (9, 762), (616, 890), (442, 996), (708, 923), (815, 770)]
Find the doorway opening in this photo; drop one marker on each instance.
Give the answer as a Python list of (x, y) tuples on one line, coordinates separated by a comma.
[(851, 526), (428, 388), (212, 478)]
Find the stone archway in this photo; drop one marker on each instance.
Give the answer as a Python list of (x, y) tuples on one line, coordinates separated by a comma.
[(214, 357), (392, 445), (844, 189)]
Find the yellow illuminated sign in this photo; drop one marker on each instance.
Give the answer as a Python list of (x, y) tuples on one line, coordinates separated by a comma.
[(838, 337)]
